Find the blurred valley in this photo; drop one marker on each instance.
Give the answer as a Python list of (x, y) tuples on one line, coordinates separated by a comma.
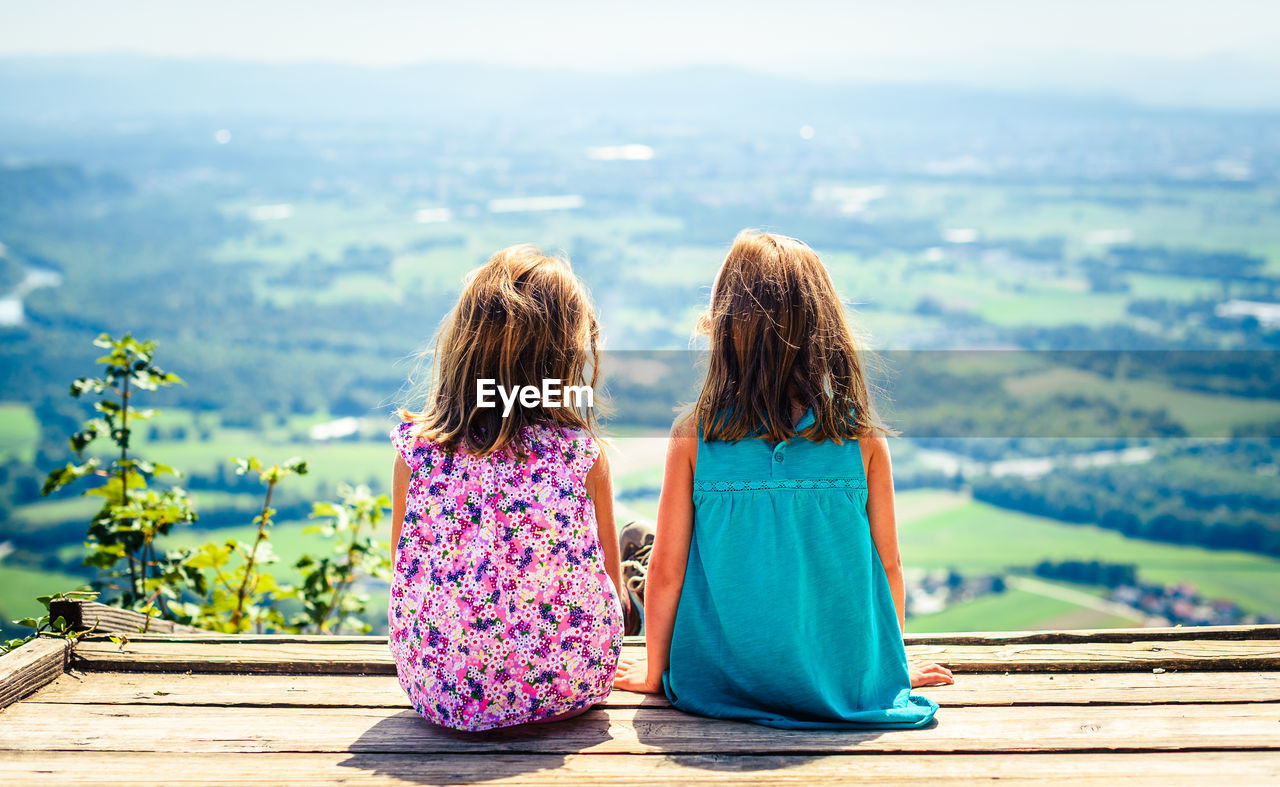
[(291, 235)]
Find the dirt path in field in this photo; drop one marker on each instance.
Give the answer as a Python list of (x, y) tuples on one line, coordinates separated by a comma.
[(1077, 597)]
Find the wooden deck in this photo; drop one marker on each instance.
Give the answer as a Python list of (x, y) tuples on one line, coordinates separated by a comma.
[(1143, 706)]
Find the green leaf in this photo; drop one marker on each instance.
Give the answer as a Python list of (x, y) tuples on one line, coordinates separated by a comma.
[(324, 510)]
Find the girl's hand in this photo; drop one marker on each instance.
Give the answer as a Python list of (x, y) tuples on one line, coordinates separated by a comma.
[(634, 676), (928, 674)]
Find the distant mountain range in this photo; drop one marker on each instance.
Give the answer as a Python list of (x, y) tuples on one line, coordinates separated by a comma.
[(126, 87)]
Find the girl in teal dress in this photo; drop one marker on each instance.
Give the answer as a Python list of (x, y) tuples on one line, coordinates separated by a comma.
[(774, 592)]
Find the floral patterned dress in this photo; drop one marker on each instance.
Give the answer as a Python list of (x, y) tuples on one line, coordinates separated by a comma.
[(501, 611)]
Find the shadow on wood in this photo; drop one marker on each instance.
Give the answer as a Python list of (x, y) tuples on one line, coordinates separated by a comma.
[(386, 749)]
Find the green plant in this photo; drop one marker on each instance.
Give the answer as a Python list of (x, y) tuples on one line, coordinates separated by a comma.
[(236, 595), (330, 598), (122, 535), (225, 586), (48, 625)]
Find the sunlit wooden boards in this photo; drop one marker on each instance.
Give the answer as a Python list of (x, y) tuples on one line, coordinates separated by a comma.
[(370, 655), (1138, 707), (29, 667)]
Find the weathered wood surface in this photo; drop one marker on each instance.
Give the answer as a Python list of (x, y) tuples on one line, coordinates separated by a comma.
[(1271, 631), (294, 655), (240, 655), (92, 616), (1087, 710), (1171, 768), (380, 691), (1266, 632), (182, 729), (1105, 656), (30, 667)]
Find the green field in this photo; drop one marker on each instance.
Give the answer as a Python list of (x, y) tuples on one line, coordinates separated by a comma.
[(1206, 217), (32, 516), (19, 432), (19, 587), (1199, 413), (945, 530), (329, 463), (971, 536), (1054, 308), (1013, 610)]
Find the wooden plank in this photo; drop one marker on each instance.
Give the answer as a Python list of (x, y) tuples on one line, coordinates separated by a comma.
[(1105, 656), (286, 656), (278, 657), (307, 691), (104, 619), (1160, 770), (381, 691), (1259, 631), (30, 667), (181, 729), (1154, 634), (1106, 688)]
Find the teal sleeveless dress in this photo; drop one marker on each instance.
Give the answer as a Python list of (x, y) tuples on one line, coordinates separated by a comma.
[(786, 618)]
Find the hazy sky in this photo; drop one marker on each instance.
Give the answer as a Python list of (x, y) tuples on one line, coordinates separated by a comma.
[(811, 37), (1207, 53)]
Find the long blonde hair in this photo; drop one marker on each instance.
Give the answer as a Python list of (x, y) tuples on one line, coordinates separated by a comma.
[(779, 338), (523, 317)]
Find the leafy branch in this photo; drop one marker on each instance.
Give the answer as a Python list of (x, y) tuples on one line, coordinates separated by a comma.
[(236, 597), (133, 516), (329, 588), (224, 586)]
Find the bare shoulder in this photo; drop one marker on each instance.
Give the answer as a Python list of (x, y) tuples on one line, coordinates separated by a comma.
[(875, 453), (874, 444), (599, 468), (601, 464), (682, 448), (684, 439), (685, 427)]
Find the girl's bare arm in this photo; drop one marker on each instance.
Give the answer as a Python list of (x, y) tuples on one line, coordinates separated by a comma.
[(664, 579), (884, 523), (600, 488), (884, 533), (399, 491)]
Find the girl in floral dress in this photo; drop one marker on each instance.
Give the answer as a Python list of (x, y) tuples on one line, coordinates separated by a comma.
[(505, 600)]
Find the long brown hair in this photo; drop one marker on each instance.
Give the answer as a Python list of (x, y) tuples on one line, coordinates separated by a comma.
[(780, 338), (523, 317)]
